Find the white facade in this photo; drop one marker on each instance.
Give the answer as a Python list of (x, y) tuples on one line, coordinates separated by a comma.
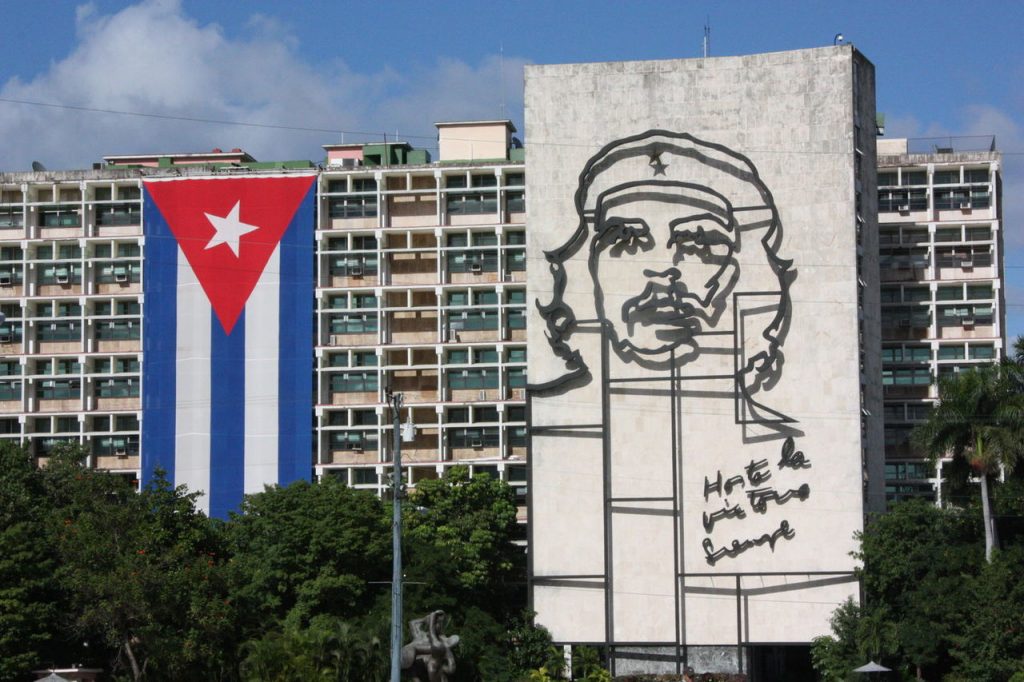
[(701, 259)]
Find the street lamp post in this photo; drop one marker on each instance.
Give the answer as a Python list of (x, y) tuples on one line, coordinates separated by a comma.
[(396, 539)]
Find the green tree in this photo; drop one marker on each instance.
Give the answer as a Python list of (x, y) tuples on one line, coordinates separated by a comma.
[(990, 645), (308, 549), (28, 596), (460, 531), (143, 573), (979, 418)]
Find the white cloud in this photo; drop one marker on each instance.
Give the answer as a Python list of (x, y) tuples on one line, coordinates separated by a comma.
[(152, 57)]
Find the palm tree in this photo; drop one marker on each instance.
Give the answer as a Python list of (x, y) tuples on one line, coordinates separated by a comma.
[(1018, 350), (979, 418)]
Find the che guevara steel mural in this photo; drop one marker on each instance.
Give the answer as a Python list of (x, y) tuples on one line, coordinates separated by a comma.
[(674, 229)]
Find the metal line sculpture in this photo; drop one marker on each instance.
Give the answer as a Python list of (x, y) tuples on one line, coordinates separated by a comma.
[(686, 295)]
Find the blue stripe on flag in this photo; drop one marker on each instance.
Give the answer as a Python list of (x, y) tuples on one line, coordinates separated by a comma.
[(160, 334), (227, 417), (295, 369)]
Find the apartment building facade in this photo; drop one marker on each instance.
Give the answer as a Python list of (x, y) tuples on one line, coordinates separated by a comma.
[(943, 304), (420, 290)]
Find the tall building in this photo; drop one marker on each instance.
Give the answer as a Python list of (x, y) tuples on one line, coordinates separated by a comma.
[(941, 260), (420, 289), (704, 354)]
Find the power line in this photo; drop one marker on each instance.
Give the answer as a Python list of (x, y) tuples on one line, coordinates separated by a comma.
[(339, 131)]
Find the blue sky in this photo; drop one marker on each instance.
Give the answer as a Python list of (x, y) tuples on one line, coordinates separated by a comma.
[(942, 68)]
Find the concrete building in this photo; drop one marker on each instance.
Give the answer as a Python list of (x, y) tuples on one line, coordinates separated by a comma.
[(941, 260), (420, 288), (703, 353)]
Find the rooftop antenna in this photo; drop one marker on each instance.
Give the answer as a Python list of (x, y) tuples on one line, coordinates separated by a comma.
[(707, 36), (501, 75)]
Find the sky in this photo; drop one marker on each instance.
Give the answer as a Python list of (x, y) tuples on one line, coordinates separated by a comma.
[(306, 73)]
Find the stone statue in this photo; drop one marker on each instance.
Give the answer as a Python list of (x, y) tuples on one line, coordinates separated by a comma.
[(429, 655)]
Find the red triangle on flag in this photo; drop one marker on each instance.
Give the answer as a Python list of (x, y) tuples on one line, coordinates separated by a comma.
[(212, 217)]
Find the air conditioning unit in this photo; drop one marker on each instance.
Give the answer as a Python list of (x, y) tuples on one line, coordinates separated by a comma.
[(355, 272), (121, 277), (63, 279), (965, 204), (476, 267), (121, 452), (6, 338), (967, 321), (5, 280), (357, 447), (477, 444), (904, 208), (967, 263)]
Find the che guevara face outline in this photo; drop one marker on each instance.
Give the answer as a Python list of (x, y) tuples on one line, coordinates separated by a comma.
[(662, 260)]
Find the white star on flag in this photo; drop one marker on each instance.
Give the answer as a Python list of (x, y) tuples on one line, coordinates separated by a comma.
[(229, 229)]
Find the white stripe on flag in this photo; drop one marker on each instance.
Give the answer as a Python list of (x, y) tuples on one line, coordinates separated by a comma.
[(192, 378), (262, 339)]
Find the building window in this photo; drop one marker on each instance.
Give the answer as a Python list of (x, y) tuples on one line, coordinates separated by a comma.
[(10, 332), (479, 198), (515, 199), (352, 440), (475, 317), (363, 358), (10, 275), (352, 205), (127, 213), (906, 376), (364, 476), (52, 273), (353, 323), (465, 256), (118, 330), (119, 272), (59, 216), (59, 331), (908, 470), (117, 388), (979, 234), (473, 437), (980, 351), (60, 390), (517, 377), (10, 390), (914, 177), (11, 218), (354, 382), (979, 291), (951, 352), (473, 378), (950, 316), (115, 445)]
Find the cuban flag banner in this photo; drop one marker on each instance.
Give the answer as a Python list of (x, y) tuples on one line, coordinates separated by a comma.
[(227, 373)]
